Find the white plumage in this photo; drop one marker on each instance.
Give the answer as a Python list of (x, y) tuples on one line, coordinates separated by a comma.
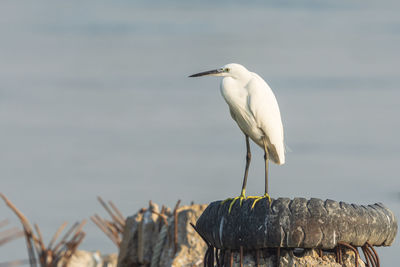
[(253, 106)]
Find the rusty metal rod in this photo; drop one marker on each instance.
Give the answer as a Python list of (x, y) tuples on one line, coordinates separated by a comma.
[(29, 237), (40, 237), (339, 255), (366, 256), (73, 246), (117, 211), (241, 256), (257, 257), (222, 258), (65, 237), (14, 263), (3, 223), (216, 256), (10, 235), (356, 256), (162, 216), (31, 251), (278, 257), (103, 228), (205, 261), (212, 257), (79, 229), (19, 214), (109, 211), (35, 244), (56, 235), (375, 254), (9, 232), (371, 256), (113, 229)]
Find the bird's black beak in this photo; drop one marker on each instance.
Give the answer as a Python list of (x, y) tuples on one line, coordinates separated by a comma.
[(210, 72)]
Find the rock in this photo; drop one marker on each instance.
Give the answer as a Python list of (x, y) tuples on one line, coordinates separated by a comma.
[(147, 241), (147, 234), (140, 231), (191, 248), (158, 247), (83, 258), (309, 258), (128, 252)]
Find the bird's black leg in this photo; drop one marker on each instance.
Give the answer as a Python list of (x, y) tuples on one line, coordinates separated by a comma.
[(266, 158), (266, 172), (246, 171), (266, 177)]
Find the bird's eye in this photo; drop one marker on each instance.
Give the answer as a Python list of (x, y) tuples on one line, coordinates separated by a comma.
[(227, 69)]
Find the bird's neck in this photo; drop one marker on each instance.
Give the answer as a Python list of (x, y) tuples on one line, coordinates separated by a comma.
[(240, 80)]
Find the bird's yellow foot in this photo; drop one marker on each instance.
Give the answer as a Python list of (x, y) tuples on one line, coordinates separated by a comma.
[(241, 197), (258, 198), (233, 200), (226, 200)]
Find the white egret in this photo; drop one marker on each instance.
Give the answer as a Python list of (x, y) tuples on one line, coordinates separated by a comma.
[(253, 106)]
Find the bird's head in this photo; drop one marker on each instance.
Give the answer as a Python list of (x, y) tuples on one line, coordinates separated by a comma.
[(229, 70)]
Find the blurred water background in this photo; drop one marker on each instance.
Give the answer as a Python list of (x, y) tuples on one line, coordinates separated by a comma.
[(95, 100)]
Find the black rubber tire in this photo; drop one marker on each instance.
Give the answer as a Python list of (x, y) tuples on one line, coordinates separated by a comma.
[(296, 223)]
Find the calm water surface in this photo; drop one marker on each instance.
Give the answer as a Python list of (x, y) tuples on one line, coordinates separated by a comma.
[(95, 100)]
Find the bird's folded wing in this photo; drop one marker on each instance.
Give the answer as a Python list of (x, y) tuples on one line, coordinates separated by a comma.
[(264, 107)]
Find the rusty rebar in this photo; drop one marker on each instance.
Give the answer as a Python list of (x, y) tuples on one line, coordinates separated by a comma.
[(72, 246), (40, 237), (3, 223), (116, 218), (278, 257), (216, 256), (162, 216), (257, 257), (117, 211), (27, 230), (112, 229), (31, 251), (56, 235), (366, 256), (226, 257), (371, 256), (241, 256), (9, 235), (205, 260), (37, 251), (375, 254), (221, 263), (339, 255), (101, 225), (65, 248), (14, 263), (356, 256), (210, 256)]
